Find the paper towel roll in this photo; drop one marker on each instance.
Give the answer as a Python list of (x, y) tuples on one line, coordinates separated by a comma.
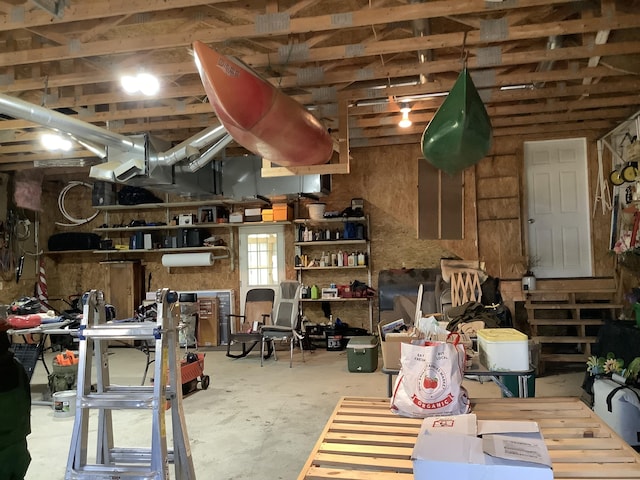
[(187, 259)]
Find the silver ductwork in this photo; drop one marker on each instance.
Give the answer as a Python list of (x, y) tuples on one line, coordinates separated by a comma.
[(553, 42), (189, 169), (18, 108)]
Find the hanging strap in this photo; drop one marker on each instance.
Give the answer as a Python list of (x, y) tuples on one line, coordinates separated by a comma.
[(614, 391)]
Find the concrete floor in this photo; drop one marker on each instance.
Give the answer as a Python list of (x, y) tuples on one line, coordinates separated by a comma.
[(251, 423)]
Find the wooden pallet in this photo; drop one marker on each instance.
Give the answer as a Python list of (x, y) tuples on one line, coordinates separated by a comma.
[(577, 312), (364, 440)]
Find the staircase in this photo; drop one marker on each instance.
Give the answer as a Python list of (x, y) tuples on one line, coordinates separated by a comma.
[(565, 316)]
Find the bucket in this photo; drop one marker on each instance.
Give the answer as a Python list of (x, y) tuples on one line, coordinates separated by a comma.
[(64, 403), (335, 341), (316, 211)]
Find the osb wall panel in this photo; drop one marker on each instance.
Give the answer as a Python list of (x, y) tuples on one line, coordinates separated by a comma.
[(386, 178), (72, 274), (498, 209)]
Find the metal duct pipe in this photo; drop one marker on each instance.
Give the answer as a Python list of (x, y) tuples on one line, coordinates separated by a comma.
[(421, 28), (191, 146), (208, 155), (553, 42), (49, 118)]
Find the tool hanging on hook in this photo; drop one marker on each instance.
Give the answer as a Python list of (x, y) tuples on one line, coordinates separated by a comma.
[(19, 268)]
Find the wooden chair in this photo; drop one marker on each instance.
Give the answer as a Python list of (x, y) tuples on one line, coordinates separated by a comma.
[(465, 286)]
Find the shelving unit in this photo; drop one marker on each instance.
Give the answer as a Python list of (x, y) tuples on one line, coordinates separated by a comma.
[(314, 271)]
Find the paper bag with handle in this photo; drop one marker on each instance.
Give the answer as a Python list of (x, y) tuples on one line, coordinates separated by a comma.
[(430, 379)]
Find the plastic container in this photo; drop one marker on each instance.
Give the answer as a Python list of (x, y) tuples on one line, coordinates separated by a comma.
[(511, 382), (504, 349), (316, 211), (64, 403), (335, 340), (362, 354)]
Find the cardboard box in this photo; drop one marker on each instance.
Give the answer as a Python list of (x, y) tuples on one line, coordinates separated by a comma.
[(390, 346), (504, 349), (282, 212), (267, 215), (236, 217), (460, 446)]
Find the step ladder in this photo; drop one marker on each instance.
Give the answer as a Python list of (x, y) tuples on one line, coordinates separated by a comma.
[(111, 462)]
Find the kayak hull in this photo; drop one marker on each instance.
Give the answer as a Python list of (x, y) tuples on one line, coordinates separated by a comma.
[(460, 134), (259, 116)]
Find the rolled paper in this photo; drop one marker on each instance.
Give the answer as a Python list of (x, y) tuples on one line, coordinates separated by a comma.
[(187, 259)]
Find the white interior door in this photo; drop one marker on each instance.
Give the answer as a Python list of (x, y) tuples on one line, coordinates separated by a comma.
[(261, 258), (558, 207)]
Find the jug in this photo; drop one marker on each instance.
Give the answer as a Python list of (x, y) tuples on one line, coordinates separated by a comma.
[(315, 292)]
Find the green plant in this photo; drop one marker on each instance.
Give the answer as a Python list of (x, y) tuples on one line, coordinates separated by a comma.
[(607, 365), (632, 370)]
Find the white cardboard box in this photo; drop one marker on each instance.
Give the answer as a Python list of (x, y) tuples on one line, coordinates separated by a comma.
[(465, 449)]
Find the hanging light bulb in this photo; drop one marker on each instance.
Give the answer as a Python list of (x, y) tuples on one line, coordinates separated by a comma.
[(405, 122), (143, 82)]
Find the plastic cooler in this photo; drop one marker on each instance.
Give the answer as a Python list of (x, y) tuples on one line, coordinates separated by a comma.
[(504, 349), (362, 354)]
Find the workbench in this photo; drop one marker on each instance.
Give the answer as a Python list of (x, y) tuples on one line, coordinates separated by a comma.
[(364, 440)]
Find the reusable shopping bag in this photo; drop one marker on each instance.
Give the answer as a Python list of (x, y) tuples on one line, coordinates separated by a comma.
[(430, 379)]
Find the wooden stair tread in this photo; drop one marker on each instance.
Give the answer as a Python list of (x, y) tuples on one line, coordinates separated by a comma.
[(564, 357), (571, 291), (571, 306), (565, 321), (564, 339)]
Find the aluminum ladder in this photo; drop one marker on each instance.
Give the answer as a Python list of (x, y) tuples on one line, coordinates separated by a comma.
[(115, 463)]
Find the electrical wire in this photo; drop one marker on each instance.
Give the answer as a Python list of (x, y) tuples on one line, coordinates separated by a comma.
[(74, 221)]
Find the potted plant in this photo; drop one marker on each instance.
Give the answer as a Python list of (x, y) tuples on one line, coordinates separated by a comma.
[(529, 278)]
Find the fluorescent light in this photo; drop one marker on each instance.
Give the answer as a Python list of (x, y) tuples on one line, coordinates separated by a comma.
[(515, 87), (51, 141), (144, 83)]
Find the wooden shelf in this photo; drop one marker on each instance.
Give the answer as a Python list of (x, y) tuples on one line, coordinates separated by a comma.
[(146, 228), (331, 268), (329, 243), (339, 299), (302, 221)]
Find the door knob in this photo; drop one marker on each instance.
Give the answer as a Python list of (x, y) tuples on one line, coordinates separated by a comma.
[(532, 220)]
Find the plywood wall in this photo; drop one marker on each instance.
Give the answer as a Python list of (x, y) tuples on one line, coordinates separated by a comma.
[(386, 178)]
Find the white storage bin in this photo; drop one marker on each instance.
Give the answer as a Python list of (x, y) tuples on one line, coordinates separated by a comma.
[(505, 349), (624, 417)]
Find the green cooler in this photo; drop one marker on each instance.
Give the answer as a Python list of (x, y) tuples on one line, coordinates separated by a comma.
[(362, 354)]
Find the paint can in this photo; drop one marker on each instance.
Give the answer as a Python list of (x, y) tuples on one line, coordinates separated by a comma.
[(64, 403)]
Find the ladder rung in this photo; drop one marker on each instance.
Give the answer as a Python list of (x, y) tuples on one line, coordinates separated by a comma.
[(135, 455), (141, 330), (103, 472), (117, 401)]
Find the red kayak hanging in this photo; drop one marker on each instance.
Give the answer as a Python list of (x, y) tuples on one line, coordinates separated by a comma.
[(259, 116)]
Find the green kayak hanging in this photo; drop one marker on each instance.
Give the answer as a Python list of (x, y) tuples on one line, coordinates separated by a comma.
[(459, 134)]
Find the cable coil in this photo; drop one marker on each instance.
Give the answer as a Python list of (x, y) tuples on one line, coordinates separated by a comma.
[(74, 221)]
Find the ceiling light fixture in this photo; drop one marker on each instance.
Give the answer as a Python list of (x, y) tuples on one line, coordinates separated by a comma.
[(52, 142), (144, 83), (405, 122)]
